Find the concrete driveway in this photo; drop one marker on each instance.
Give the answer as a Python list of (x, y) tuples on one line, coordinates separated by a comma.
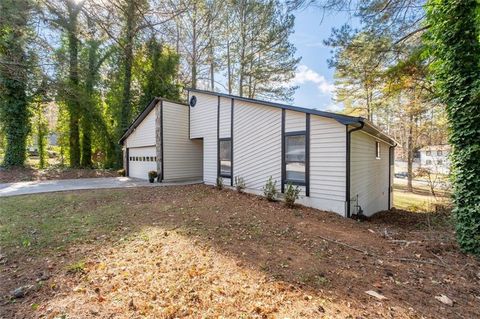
[(34, 187)]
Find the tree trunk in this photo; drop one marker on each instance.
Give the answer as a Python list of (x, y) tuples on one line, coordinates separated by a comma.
[(72, 94), (86, 160), (14, 113), (194, 47), (410, 155), (126, 108)]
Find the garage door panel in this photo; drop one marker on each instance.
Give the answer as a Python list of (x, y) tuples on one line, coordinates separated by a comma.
[(141, 161)]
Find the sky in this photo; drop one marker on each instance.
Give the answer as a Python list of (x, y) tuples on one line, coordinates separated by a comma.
[(313, 77)]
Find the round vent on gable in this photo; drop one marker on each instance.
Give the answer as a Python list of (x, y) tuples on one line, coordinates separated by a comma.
[(193, 101)]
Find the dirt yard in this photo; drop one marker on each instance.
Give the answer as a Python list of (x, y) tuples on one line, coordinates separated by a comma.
[(24, 174), (196, 252)]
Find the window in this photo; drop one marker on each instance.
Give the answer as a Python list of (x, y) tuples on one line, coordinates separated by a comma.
[(225, 157), (439, 153), (377, 150), (440, 162), (295, 158), (429, 162), (429, 153)]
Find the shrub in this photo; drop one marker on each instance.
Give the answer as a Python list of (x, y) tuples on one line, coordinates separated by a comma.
[(291, 195), (152, 175), (121, 172), (270, 189), (239, 184), (219, 184)]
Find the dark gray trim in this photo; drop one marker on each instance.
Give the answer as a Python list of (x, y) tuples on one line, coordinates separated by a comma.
[(127, 164), (294, 182), (150, 106), (391, 150), (307, 154), (218, 137), (341, 118), (294, 133), (162, 173), (189, 109), (231, 143), (282, 136), (225, 139), (347, 168)]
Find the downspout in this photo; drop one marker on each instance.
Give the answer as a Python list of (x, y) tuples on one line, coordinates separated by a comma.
[(347, 191), (390, 163)]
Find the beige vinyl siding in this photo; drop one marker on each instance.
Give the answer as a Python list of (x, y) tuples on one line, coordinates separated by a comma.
[(256, 143), (144, 134), (327, 164), (368, 175), (294, 121), (203, 124), (182, 156), (225, 117)]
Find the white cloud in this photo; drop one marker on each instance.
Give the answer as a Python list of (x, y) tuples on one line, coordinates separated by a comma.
[(304, 75)]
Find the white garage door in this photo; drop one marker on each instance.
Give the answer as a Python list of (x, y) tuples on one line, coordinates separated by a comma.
[(141, 161)]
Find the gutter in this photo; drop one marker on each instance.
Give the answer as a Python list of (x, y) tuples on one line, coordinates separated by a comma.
[(390, 163), (347, 190)]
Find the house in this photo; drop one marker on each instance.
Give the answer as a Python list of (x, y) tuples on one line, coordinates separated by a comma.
[(435, 158), (341, 163)]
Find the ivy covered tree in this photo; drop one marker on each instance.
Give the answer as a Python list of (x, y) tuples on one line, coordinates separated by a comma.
[(453, 39), (158, 71), (14, 68)]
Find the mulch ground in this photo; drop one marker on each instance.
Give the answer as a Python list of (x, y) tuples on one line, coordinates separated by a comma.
[(197, 252), (24, 174)]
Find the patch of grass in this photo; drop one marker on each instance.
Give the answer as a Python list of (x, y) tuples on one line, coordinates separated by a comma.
[(413, 202), (76, 268), (32, 223)]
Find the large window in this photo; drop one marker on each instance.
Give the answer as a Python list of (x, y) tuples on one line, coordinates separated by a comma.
[(295, 158), (225, 157)]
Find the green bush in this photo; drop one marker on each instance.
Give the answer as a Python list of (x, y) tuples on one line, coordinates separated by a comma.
[(152, 175), (291, 195), (270, 189), (219, 184), (239, 184)]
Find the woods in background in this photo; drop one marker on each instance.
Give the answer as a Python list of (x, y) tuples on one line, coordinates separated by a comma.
[(100, 62)]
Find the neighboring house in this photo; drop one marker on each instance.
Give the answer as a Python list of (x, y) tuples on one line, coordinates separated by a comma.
[(341, 163), (435, 158)]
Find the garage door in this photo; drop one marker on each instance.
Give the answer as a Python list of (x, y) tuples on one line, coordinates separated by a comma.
[(141, 161)]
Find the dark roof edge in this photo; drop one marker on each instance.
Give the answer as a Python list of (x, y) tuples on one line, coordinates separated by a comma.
[(344, 119), (143, 115), (341, 118)]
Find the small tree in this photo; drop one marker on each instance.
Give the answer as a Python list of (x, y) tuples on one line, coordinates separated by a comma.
[(219, 184), (291, 195), (239, 184), (270, 189)]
